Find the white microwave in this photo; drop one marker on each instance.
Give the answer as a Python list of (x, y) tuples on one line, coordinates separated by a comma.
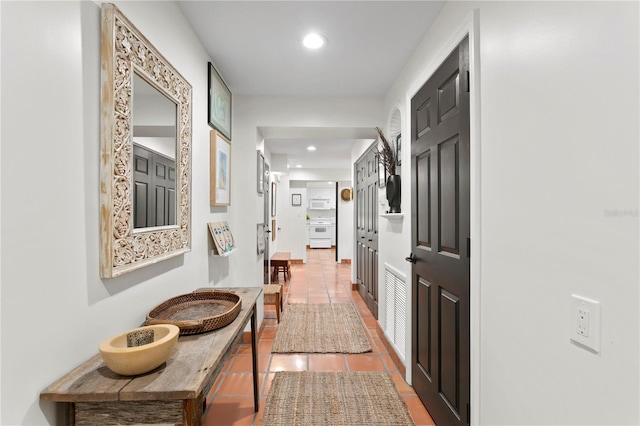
[(320, 204)]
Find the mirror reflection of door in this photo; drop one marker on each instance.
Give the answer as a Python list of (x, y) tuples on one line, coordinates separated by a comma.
[(154, 156)]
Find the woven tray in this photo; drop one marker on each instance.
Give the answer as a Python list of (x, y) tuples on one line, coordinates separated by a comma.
[(197, 312)]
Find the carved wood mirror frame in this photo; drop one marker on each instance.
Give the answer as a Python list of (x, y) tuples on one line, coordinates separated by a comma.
[(125, 50)]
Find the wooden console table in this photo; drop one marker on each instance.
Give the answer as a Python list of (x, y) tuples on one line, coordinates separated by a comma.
[(173, 393)]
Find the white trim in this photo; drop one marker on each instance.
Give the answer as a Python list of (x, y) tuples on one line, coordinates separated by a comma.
[(476, 220), (471, 27), (395, 271)]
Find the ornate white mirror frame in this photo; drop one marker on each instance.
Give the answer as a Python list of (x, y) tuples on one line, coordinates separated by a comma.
[(125, 50)]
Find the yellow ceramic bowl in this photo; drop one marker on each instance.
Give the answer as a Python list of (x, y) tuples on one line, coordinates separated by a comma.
[(131, 361)]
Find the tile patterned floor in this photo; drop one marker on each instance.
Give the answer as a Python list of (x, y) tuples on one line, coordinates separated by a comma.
[(321, 280)]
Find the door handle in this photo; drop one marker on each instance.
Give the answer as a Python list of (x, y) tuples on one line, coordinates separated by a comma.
[(412, 258)]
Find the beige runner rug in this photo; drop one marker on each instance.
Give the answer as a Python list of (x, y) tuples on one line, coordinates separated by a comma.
[(321, 328), (334, 398)]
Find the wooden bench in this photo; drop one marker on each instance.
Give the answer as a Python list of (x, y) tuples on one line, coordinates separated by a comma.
[(173, 393), (281, 262)]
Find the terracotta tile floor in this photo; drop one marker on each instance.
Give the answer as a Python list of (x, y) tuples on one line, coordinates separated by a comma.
[(321, 280)]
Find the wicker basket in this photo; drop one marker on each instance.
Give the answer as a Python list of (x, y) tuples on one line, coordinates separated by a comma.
[(197, 312)]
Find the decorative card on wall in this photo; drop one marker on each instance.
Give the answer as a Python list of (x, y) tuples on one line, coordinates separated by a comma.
[(222, 237), (228, 236)]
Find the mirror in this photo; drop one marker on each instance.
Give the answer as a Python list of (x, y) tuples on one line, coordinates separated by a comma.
[(154, 156), (145, 125)]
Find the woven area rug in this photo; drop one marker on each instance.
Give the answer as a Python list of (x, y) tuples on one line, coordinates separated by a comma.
[(321, 328), (334, 398)]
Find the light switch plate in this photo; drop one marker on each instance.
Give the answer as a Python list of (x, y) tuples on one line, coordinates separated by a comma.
[(585, 322)]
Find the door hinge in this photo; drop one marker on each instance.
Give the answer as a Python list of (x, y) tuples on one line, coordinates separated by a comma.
[(468, 247), (468, 83)]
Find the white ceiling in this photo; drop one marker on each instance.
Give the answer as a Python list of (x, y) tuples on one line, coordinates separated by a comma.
[(256, 46), (333, 145)]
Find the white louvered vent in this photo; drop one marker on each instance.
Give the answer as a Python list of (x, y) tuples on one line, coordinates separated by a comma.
[(396, 308)]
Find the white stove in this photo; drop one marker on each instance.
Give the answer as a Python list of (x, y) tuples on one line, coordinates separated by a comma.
[(320, 232)]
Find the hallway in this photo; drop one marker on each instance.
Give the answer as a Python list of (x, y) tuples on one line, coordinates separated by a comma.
[(321, 280)]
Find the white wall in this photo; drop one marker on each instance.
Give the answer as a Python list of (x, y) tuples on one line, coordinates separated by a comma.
[(319, 174), (346, 225), (558, 149), (55, 308)]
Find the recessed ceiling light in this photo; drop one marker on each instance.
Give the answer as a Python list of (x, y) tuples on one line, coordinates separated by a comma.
[(311, 148), (314, 41), (298, 165)]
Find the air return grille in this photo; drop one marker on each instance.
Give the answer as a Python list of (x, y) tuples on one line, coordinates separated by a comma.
[(396, 308)]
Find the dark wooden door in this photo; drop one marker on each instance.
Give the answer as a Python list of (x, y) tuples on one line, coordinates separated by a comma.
[(440, 239), (154, 196), (367, 228)]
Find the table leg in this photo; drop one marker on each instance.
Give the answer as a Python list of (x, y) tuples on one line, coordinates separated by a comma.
[(72, 413), (192, 412), (254, 353)]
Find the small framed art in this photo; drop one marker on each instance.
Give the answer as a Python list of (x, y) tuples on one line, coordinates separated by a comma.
[(220, 170), (296, 199), (274, 198), (260, 171), (219, 110), (266, 176)]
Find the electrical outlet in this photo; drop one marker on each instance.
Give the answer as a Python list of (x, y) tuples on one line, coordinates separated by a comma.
[(582, 322), (585, 322)]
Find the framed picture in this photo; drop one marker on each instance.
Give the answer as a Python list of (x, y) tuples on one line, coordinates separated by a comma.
[(266, 176), (220, 170), (274, 199), (399, 150), (260, 238), (219, 111), (260, 183), (273, 229), (296, 199)]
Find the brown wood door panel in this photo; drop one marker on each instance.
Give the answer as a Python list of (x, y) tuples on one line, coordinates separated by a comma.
[(440, 231), (367, 228)]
